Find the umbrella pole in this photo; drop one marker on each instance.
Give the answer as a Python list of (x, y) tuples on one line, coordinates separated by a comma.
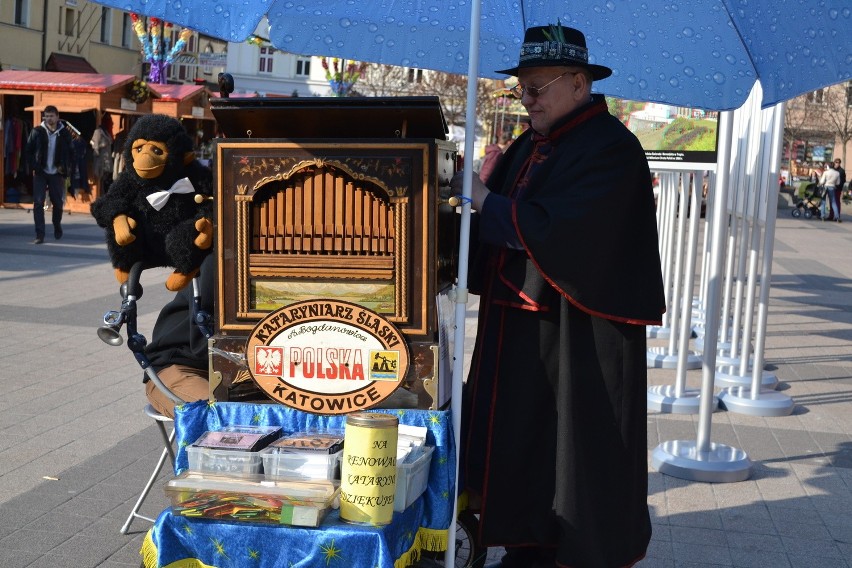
[(464, 247)]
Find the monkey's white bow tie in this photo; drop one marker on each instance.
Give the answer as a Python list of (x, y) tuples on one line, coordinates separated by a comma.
[(158, 199)]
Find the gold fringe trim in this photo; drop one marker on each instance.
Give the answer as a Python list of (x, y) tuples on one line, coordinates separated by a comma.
[(149, 557), (149, 551), (461, 502), (433, 540), (409, 557)]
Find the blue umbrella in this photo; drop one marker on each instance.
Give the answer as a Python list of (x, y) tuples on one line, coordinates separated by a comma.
[(698, 53)]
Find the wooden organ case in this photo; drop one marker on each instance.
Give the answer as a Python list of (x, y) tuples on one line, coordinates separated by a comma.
[(340, 198)]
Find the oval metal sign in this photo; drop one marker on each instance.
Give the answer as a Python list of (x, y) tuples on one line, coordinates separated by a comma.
[(327, 356)]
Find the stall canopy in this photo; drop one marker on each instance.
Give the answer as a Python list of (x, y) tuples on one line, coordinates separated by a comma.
[(43, 81), (181, 101)]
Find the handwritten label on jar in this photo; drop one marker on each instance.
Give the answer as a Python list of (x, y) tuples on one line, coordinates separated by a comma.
[(368, 472)]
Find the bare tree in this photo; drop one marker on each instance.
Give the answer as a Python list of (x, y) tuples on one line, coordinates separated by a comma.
[(452, 91), (837, 114), (801, 116), (383, 81)]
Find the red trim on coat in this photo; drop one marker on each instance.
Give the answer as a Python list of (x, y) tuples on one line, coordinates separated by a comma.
[(562, 292), (531, 305), (593, 110)]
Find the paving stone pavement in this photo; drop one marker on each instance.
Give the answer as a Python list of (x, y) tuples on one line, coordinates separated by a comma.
[(76, 447)]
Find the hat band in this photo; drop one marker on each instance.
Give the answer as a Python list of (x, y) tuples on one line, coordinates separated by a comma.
[(553, 51)]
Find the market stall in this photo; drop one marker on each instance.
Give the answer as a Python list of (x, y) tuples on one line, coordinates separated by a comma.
[(81, 98)]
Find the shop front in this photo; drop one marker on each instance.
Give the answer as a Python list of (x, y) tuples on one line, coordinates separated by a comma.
[(83, 100)]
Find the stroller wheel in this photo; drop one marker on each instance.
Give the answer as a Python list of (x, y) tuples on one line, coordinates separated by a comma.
[(796, 212), (808, 213)]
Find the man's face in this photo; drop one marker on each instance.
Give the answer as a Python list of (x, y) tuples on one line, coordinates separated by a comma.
[(555, 101), (836, 164), (50, 119)]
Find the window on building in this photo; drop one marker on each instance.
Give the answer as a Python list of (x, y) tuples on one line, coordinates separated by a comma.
[(67, 21), (22, 12), (106, 25), (126, 29), (816, 97), (415, 75), (849, 94), (266, 54), (206, 68), (303, 66)]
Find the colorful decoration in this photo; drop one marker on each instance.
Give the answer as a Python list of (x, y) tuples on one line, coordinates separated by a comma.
[(342, 78), (137, 91), (156, 46)]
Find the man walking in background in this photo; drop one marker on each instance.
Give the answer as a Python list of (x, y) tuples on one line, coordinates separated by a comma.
[(49, 154)]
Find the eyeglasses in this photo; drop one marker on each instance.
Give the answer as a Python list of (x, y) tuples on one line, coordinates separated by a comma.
[(518, 91)]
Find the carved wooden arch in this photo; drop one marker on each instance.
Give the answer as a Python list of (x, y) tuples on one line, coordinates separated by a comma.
[(321, 163), (296, 248)]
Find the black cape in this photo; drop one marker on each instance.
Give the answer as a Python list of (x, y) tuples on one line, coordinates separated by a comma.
[(554, 433)]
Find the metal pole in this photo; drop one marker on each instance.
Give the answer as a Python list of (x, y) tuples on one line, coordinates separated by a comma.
[(464, 248), (700, 460), (756, 401)]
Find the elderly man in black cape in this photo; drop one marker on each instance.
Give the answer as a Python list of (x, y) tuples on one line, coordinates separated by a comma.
[(565, 258)]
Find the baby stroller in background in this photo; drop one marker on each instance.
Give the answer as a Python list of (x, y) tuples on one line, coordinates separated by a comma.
[(810, 197)]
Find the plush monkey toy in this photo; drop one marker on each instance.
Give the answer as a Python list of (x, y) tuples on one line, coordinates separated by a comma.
[(159, 208)]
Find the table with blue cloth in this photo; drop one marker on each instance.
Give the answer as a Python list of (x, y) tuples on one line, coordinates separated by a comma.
[(177, 541)]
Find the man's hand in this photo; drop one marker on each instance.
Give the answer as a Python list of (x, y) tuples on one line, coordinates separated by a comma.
[(478, 191)]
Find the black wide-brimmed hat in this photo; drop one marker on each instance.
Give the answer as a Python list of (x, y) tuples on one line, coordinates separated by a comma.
[(556, 45)]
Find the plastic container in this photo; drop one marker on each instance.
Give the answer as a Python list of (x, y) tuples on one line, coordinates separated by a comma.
[(251, 499), (231, 462), (300, 465), (411, 480)]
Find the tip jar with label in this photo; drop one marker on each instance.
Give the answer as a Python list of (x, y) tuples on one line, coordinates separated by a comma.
[(368, 470)]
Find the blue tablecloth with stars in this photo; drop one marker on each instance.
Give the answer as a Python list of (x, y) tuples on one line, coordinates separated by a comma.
[(177, 541)]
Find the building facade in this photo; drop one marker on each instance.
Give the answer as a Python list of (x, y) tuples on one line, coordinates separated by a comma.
[(259, 69), (82, 36), (818, 129)]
